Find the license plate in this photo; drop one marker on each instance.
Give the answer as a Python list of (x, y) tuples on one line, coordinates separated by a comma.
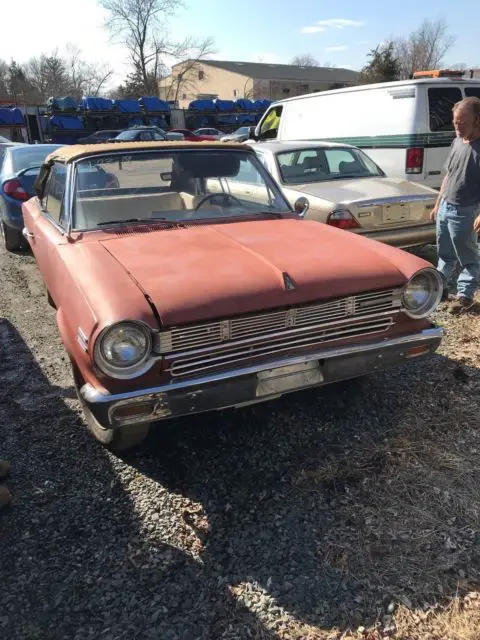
[(396, 212), (295, 376)]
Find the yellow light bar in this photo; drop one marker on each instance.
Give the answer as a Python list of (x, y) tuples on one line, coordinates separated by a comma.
[(438, 73)]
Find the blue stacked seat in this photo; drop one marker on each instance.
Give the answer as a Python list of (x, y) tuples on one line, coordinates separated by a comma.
[(261, 105), (152, 104), (243, 104), (11, 116), (224, 106), (202, 105), (64, 104), (91, 103), (127, 106), (65, 129)]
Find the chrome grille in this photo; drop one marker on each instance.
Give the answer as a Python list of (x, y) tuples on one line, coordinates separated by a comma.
[(206, 360), (215, 333)]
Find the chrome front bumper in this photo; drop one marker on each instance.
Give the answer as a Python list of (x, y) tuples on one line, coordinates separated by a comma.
[(413, 236), (258, 383)]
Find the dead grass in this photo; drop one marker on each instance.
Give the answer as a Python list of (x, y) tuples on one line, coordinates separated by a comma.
[(412, 506)]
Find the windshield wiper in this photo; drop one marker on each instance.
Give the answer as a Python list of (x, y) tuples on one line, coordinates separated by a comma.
[(170, 223)]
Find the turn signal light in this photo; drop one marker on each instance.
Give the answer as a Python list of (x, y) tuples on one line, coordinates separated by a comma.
[(342, 219)]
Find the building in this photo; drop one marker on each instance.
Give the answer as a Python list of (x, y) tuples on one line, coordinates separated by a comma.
[(228, 80)]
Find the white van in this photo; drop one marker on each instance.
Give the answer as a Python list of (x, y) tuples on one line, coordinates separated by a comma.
[(405, 127)]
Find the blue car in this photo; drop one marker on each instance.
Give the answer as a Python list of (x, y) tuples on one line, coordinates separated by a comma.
[(19, 166)]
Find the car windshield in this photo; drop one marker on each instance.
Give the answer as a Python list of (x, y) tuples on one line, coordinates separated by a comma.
[(242, 131), (173, 186), (30, 155), (320, 164)]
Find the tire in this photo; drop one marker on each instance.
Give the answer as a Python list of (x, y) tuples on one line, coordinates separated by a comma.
[(12, 239), (116, 440)]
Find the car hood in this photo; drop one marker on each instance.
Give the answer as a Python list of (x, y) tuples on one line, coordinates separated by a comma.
[(355, 190), (213, 271)]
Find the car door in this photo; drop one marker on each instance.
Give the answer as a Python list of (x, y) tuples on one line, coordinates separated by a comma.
[(45, 228)]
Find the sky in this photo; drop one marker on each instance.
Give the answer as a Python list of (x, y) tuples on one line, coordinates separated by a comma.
[(272, 31)]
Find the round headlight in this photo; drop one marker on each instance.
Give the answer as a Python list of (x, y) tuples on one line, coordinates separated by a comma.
[(123, 349), (422, 293)]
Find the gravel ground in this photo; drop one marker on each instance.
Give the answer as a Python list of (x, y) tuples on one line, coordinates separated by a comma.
[(317, 512)]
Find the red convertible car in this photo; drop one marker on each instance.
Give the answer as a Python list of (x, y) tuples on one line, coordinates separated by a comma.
[(188, 284)]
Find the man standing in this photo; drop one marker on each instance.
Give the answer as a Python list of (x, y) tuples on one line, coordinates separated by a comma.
[(457, 210)]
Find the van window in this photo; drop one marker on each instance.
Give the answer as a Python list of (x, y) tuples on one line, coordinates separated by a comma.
[(440, 104), (270, 124), (472, 92)]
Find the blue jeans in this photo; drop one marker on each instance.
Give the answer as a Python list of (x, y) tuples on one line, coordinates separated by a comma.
[(457, 242)]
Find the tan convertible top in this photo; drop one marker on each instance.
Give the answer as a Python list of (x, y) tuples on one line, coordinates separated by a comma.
[(75, 151)]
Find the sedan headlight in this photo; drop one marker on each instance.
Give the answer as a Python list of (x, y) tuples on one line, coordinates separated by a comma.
[(124, 350), (422, 293)]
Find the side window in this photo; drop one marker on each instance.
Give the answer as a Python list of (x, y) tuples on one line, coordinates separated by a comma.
[(270, 124), (145, 136), (472, 92), (157, 136), (440, 104), (54, 192), (246, 173)]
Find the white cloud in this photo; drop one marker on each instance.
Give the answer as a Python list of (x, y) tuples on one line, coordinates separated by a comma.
[(334, 23), (342, 47)]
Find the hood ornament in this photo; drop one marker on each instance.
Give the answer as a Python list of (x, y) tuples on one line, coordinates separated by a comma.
[(289, 284)]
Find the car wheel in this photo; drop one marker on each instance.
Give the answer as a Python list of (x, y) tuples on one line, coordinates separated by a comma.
[(12, 239), (116, 440)]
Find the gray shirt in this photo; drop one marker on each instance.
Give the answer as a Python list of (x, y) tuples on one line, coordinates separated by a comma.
[(463, 173)]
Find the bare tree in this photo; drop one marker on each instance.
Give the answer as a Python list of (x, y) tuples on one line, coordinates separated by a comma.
[(187, 74), (4, 89), (305, 60), (425, 48), (85, 78)]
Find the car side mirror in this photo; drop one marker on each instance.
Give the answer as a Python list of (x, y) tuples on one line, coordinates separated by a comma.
[(301, 206), (251, 133)]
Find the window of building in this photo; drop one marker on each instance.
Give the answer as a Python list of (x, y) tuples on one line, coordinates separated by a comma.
[(234, 93), (440, 104), (285, 90), (184, 96), (201, 75), (304, 87)]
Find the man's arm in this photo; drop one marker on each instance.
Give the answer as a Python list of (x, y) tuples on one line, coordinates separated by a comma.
[(434, 211)]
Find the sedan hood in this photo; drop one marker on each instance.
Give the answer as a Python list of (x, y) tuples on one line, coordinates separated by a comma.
[(354, 190), (212, 271)]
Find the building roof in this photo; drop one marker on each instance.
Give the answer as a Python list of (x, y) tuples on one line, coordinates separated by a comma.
[(76, 151), (266, 71)]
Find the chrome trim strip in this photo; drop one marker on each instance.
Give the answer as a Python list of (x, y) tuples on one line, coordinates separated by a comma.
[(92, 395), (393, 200)]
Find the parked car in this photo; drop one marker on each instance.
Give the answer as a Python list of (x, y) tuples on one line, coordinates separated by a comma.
[(404, 126), (193, 137), (19, 166), (180, 291), (343, 187), (145, 134), (209, 131), (239, 135), (100, 136)]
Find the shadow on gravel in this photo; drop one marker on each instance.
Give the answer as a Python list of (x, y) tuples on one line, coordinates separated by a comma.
[(76, 560), (325, 506)]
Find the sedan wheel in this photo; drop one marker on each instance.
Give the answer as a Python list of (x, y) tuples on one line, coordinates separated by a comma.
[(117, 440), (12, 239)]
